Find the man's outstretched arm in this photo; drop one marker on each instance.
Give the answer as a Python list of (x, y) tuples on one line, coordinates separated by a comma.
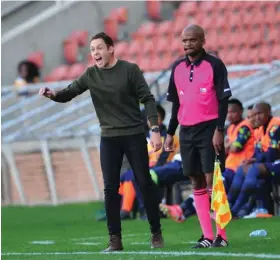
[(76, 88)]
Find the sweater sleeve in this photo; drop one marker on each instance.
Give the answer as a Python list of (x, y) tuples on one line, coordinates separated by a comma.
[(77, 87), (144, 95)]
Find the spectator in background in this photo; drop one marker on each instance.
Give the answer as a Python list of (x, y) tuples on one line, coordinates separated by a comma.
[(28, 73), (247, 178), (240, 140)]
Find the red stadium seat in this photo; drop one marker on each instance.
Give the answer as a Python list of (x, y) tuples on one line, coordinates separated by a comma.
[(256, 36), (148, 48), (264, 53), (111, 28), (211, 40), (253, 55), (208, 6), (235, 19), (230, 56), (134, 48), (164, 28), (187, 8), (81, 37), (153, 9), (270, 14), (275, 53), (207, 21), (59, 73), (121, 48), (235, 5), (179, 24), (75, 71), (71, 51), (242, 57), (145, 64), (163, 45), (37, 58), (273, 34), (120, 14), (147, 29)]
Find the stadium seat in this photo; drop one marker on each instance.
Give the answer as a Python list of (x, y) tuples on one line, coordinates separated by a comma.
[(256, 36), (235, 19), (148, 48), (145, 64), (253, 56), (147, 29), (230, 56), (75, 71), (187, 8), (58, 74), (134, 48), (273, 34), (120, 14), (179, 24), (164, 28), (206, 21), (121, 48), (264, 53), (37, 58), (275, 52), (81, 37), (176, 47), (70, 51), (162, 45), (208, 6), (111, 28), (269, 15), (211, 40), (153, 9), (235, 6)]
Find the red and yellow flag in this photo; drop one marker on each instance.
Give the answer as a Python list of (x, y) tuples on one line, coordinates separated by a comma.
[(219, 199)]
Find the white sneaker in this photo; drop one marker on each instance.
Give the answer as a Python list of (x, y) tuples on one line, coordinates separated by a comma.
[(255, 213)]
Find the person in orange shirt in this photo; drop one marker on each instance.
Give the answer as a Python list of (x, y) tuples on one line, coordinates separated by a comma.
[(239, 143), (252, 175)]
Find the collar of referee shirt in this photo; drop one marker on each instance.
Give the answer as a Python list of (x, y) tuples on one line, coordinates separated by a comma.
[(198, 61)]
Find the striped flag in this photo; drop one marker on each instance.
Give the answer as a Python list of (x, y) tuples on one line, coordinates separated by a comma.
[(219, 201)]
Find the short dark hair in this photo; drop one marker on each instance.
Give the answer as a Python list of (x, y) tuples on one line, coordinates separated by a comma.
[(106, 38), (235, 101), (250, 107), (161, 111)]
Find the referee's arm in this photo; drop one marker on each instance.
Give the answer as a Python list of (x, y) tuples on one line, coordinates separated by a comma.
[(172, 96), (223, 91), (77, 87)]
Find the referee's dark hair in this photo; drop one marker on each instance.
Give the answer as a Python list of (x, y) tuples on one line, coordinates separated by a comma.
[(250, 107), (235, 101), (106, 38), (161, 111)]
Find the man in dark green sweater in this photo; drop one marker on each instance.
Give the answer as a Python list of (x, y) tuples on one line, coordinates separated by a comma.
[(116, 87)]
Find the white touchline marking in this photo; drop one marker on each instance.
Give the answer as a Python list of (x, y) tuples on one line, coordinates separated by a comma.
[(161, 253), (140, 243), (88, 243), (101, 237), (44, 242), (189, 242)]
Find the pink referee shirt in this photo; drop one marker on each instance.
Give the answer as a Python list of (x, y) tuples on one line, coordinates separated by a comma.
[(198, 87)]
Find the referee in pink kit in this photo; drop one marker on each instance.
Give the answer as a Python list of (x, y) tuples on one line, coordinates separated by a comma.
[(199, 90)]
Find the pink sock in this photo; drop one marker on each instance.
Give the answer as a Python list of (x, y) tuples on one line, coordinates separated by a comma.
[(202, 206), (221, 232)]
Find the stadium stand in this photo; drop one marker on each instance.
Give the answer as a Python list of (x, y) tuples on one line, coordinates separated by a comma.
[(41, 138)]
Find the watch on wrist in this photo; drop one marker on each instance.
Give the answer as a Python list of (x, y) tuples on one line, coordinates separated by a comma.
[(220, 129), (155, 129)]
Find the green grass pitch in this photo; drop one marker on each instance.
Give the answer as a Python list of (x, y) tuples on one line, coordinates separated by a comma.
[(71, 232)]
